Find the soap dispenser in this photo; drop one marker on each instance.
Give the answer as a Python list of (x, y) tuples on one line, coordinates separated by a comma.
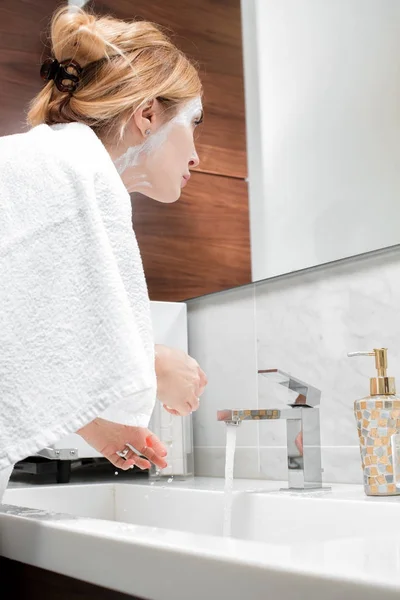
[(378, 424)]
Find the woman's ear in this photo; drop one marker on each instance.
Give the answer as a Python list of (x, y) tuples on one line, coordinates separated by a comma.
[(147, 117)]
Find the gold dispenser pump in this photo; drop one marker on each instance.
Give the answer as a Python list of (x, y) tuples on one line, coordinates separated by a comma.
[(382, 384), (378, 425)]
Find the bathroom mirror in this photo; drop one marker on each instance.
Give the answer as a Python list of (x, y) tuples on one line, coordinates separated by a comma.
[(322, 83), (310, 153)]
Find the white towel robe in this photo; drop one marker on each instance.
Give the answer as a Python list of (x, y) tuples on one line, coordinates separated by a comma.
[(76, 339)]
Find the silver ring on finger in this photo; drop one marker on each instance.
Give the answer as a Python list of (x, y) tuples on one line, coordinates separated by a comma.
[(123, 453)]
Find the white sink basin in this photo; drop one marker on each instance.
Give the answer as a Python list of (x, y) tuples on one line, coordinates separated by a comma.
[(263, 515), (279, 539)]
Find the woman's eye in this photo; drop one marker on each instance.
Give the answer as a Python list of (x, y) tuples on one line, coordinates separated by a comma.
[(199, 120)]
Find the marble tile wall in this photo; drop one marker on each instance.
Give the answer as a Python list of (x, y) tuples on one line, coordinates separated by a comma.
[(304, 324)]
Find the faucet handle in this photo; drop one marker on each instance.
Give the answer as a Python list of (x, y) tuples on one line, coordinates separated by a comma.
[(308, 395)]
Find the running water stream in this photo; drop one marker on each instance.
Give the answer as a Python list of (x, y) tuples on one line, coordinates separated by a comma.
[(229, 463)]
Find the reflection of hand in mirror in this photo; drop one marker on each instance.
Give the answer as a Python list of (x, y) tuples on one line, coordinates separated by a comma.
[(225, 415), (300, 400), (299, 442)]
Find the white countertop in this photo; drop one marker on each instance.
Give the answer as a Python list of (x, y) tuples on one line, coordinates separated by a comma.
[(192, 565)]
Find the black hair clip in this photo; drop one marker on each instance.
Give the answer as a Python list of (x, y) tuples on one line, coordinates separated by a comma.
[(63, 78)]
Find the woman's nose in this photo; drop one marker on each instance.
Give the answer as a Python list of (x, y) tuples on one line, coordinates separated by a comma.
[(194, 161)]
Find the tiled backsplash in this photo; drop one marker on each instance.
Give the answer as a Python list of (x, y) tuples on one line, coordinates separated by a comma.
[(304, 324)]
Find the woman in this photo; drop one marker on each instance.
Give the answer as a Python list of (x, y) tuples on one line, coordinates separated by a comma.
[(117, 115)]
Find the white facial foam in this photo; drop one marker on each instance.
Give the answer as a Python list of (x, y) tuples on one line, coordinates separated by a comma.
[(130, 158)]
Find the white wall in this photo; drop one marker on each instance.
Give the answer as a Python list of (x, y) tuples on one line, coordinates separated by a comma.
[(322, 82), (304, 324)]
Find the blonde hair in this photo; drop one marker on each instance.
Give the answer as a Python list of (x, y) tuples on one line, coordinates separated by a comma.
[(125, 65)]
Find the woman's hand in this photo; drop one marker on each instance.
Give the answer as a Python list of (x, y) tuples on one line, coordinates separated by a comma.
[(180, 380), (299, 442), (109, 438)]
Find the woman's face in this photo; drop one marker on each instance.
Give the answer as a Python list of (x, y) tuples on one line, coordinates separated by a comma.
[(158, 166)]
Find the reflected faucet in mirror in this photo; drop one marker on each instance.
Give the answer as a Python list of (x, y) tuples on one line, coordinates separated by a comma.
[(302, 427)]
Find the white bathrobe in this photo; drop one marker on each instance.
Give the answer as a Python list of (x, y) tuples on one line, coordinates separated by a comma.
[(75, 328)]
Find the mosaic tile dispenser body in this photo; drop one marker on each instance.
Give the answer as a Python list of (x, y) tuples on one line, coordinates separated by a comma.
[(378, 424)]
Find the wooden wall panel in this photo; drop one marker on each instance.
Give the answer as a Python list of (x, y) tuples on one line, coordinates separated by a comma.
[(22, 27), (198, 245), (201, 244), (210, 32)]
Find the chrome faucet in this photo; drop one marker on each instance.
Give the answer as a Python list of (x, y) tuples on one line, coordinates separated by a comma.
[(302, 425)]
